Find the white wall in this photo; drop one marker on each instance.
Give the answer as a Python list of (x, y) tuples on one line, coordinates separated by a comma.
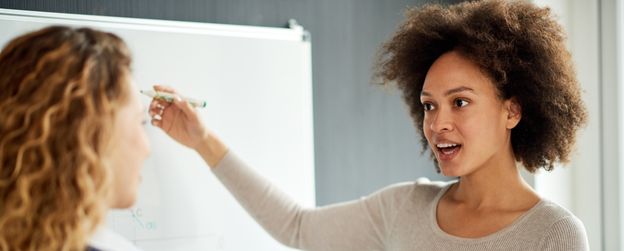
[(589, 185)]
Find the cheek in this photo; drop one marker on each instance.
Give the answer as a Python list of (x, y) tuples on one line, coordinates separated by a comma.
[(483, 127), (135, 147), (143, 143), (426, 126), (140, 146)]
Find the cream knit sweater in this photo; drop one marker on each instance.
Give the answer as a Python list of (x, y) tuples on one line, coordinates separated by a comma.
[(398, 217)]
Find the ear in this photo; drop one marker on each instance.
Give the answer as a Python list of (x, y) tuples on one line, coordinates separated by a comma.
[(514, 112)]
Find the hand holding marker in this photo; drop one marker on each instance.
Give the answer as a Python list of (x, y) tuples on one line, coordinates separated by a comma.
[(168, 97), (176, 116)]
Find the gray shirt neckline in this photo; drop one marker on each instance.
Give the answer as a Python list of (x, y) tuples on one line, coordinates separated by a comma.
[(433, 222)]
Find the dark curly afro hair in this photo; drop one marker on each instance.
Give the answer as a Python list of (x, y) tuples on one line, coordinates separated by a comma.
[(519, 45)]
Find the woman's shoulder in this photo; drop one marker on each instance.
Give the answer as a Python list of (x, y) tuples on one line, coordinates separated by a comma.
[(550, 214), (553, 210), (560, 227)]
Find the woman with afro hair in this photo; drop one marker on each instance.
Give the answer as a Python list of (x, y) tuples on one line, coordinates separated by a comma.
[(491, 88)]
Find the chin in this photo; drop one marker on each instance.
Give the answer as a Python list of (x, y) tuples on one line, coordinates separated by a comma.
[(451, 170), (125, 202), (450, 174)]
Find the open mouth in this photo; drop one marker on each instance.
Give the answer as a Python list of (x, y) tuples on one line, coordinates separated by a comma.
[(448, 151)]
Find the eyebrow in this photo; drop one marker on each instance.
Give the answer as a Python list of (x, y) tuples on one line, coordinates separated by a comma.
[(451, 91)]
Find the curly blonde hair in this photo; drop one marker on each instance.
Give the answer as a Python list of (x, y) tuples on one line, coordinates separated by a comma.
[(60, 89), (519, 45)]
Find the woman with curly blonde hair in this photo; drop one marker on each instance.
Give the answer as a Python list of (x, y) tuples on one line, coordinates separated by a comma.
[(71, 138), (491, 89)]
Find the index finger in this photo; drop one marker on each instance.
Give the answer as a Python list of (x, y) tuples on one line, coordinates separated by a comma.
[(162, 88)]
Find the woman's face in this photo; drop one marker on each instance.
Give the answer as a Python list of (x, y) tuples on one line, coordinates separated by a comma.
[(130, 150), (466, 124)]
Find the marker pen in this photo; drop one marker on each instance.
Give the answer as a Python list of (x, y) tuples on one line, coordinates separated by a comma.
[(168, 97)]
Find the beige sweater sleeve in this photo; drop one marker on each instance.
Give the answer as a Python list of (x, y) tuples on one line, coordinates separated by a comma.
[(357, 225)]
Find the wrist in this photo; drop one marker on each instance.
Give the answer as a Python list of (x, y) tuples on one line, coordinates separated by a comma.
[(211, 149)]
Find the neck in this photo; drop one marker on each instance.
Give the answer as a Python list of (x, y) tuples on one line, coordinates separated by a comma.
[(491, 185)]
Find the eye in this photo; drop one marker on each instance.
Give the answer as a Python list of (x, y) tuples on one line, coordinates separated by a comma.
[(460, 102), (428, 106)]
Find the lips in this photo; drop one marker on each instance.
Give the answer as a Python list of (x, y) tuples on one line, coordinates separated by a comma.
[(447, 151)]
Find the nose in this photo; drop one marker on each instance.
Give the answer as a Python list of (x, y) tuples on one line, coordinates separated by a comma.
[(441, 122)]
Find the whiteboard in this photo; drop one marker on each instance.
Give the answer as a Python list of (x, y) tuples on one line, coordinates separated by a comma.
[(258, 85)]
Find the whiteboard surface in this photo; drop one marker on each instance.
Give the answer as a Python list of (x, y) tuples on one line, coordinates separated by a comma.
[(258, 86)]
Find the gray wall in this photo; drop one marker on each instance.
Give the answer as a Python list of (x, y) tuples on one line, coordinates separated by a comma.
[(364, 138)]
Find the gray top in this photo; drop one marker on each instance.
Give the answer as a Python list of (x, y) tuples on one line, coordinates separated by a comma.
[(398, 217)]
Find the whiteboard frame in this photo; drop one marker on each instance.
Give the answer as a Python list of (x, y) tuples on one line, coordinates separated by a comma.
[(295, 33)]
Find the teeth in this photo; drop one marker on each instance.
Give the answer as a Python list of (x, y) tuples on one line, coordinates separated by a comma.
[(445, 145)]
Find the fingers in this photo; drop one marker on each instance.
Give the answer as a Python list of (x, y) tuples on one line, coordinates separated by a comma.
[(185, 106), (159, 103), (157, 123), (157, 107), (156, 110), (162, 88)]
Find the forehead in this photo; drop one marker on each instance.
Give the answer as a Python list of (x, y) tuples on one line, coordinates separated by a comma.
[(452, 70)]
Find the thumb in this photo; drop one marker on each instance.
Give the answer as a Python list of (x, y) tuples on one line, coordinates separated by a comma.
[(184, 105)]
